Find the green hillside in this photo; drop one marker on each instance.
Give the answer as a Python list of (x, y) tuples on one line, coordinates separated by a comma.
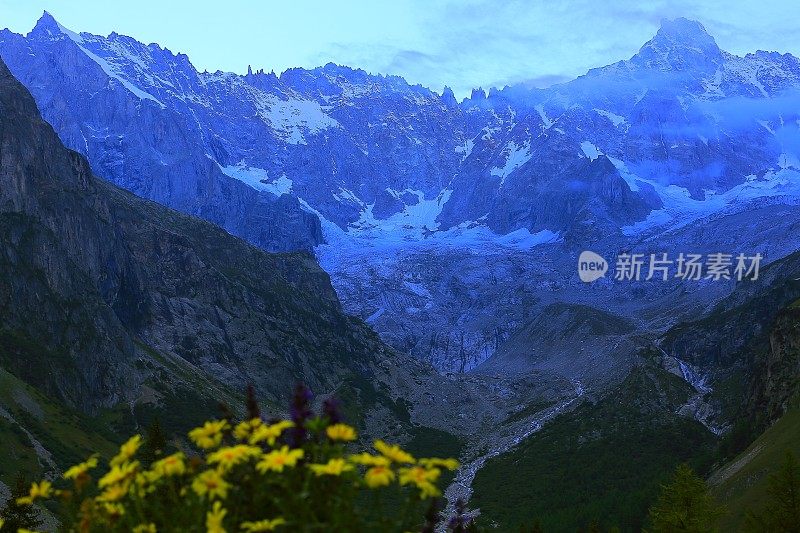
[(602, 463), (36, 433), (742, 483)]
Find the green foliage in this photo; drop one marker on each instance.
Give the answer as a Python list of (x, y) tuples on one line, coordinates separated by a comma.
[(14, 516), (602, 462), (782, 511), (685, 505)]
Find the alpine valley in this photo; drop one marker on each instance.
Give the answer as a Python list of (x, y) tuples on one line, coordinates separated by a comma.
[(170, 236)]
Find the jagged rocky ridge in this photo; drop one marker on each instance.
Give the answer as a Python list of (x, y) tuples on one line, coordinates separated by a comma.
[(505, 188)]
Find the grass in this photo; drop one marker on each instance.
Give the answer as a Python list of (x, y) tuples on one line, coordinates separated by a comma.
[(68, 435), (741, 485)]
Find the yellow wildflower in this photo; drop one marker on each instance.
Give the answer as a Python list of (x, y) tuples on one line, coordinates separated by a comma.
[(172, 465), (231, 456), (244, 429), (334, 467), (433, 462), (209, 435), (369, 459), (428, 490), (277, 460), (418, 474), (341, 432), (214, 519), (379, 476), (43, 489), (393, 452), (210, 483), (145, 528), (422, 478), (80, 469), (127, 451), (262, 525), (270, 433), (114, 493), (118, 474), (1, 523)]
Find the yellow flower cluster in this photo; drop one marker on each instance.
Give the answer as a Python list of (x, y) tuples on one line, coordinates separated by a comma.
[(423, 474), (81, 469), (252, 450), (341, 432)]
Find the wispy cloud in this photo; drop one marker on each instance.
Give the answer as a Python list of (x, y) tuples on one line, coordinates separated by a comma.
[(471, 43)]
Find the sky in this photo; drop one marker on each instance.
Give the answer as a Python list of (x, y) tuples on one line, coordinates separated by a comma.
[(461, 43)]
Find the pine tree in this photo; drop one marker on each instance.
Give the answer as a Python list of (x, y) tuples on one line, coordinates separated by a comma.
[(19, 516), (685, 505), (154, 443), (253, 411), (782, 512)]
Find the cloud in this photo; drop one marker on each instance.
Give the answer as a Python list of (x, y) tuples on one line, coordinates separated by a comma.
[(403, 60), (471, 43)]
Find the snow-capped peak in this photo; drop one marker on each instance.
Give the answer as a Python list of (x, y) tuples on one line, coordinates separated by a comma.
[(679, 44)]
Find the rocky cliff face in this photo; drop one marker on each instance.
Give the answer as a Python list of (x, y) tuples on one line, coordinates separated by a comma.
[(776, 384), (747, 345), (102, 292)]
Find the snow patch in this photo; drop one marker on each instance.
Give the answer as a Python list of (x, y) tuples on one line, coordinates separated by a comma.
[(547, 122), (615, 119), (516, 156), (629, 177), (465, 149), (413, 222), (258, 178), (291, 119), (590, 150), (680, 209)]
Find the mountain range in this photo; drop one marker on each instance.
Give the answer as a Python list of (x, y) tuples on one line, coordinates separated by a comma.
[(174, 235), (371, 173)]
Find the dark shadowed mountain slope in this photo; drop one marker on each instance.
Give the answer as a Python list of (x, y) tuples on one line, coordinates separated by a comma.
[(102, 292), (746, 344)]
